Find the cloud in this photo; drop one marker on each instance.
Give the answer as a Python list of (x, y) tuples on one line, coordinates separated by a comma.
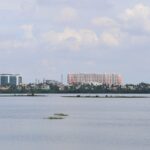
[(7, 5), (137, 18), (17, 38), (110, 39), (90, 63), (68, 14), (28, 31), (18, 5), (11, 45), (72, 38), (104, 22), (99, 5), (46, 63), (82, 39), (28, 5), (138, 11)]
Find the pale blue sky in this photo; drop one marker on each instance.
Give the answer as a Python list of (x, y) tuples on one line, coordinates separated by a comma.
[(46, 38)]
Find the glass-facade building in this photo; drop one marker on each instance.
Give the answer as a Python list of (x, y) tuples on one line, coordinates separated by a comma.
[(13, 80), (4, 80), (10, 79)]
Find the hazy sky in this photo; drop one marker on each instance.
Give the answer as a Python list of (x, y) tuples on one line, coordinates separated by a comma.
[(46, 38)]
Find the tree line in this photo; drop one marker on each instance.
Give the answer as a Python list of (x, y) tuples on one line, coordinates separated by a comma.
[(78, 88)]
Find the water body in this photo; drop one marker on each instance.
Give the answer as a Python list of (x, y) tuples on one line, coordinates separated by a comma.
[(92, 124)]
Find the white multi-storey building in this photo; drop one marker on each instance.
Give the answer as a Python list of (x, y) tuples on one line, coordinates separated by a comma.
[(109, 79)]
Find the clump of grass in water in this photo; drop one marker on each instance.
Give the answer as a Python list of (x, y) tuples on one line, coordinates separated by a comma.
[(61, 114), (55, 117), (58, 116)]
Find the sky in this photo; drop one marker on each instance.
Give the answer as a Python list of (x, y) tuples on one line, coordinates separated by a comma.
[(42, 39)]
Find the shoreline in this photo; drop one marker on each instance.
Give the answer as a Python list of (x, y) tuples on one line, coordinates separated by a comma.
[(69, 95), (22, 95), (105, 96)]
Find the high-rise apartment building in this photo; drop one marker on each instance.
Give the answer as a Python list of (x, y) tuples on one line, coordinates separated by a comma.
[(109, 79), (10, 79)]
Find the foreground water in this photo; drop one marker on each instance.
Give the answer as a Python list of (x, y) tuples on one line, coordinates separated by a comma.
[(98, 124)]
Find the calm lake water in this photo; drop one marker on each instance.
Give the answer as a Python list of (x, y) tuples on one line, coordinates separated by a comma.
[(92, 124)]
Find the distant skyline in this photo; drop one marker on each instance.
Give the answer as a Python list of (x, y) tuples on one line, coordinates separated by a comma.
[(46, 38)]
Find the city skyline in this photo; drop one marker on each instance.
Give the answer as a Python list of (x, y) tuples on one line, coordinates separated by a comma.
[(46, 38)]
